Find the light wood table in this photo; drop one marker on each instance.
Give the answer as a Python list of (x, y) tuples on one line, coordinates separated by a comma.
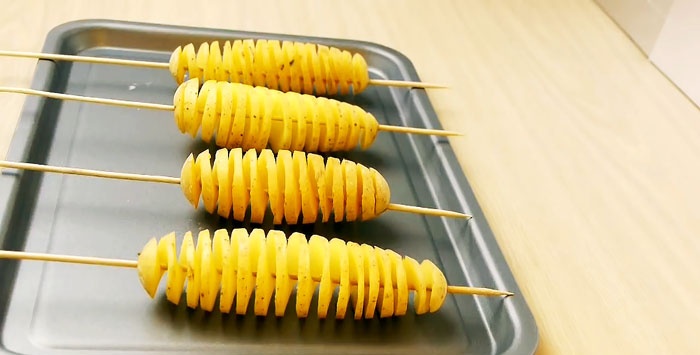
[(584, 157)]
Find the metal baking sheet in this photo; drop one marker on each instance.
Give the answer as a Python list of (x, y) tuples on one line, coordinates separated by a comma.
[(75, 309)]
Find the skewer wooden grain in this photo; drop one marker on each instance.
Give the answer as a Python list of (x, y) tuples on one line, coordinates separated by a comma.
[(162, 107), (176, 181), (88, 260), (160, 65)]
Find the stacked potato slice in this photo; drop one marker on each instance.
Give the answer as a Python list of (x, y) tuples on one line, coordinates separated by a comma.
[(293, 185), (243, 266), (283, 65)]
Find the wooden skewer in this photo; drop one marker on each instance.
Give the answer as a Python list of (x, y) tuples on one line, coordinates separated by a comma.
[(17, 255), (176, 181), (160, 65), (426, 211), (152, 106)]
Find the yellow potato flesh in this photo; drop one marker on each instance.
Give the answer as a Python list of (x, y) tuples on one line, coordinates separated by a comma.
[(373, 279), (351, 198), (209, 196), (245, 282), (227, 111), (264, 281), (400, 283), (240, 195), (258, 185), (206, 105), (149, 269), (371, 269), (386, 292), (340, 270), (319, 252), (221, 172)]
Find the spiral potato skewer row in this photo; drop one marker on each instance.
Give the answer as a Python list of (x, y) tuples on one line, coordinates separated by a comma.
[(242, 116), (291, 183), (241, 267), (285, 65), (244, 267)]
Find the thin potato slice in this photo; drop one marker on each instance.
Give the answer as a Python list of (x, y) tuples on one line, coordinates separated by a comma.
[(178, 71), (292, 195), (265, 118), (245, 280), (368, 193), (285, 68), (386, 293), (228, 98), (167, 250), (319, 252), (240, 195), (206, 105), (248, 53), (274, 187), (238, 121), (259, 63), (229, 277), (221, 172), (401, 285), (149, 269), (264, 281), (416, 281), (318, 177), (190, 182), (372, 271), (202, 60), (190, 112), (214, 64), (313, 133), (252, 120), (283, 284), (209, 191), (344, 121), (350, 181), (340, 270), (305, 288), (258, 185), (332, 126), (230, 73), (309, 202), (239, 64), (209, 280), (339, 197), (356, 262), (193, 276), (438, 286), (381, 192)]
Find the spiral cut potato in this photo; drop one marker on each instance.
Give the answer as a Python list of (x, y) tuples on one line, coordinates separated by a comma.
[(283, 65), (290, 184), (244, 267), (242, 116)]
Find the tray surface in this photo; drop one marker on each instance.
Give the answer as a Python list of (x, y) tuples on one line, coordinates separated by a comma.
[(60, 308)]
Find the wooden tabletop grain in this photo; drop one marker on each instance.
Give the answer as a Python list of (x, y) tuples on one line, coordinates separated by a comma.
[(585, 159)]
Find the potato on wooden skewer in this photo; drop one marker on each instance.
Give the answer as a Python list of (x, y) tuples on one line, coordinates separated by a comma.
[(295, 186), (283, 65), (266, 268), (243, 116)]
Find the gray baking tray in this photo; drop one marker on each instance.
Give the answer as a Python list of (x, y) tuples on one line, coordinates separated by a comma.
[(75, 309)]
